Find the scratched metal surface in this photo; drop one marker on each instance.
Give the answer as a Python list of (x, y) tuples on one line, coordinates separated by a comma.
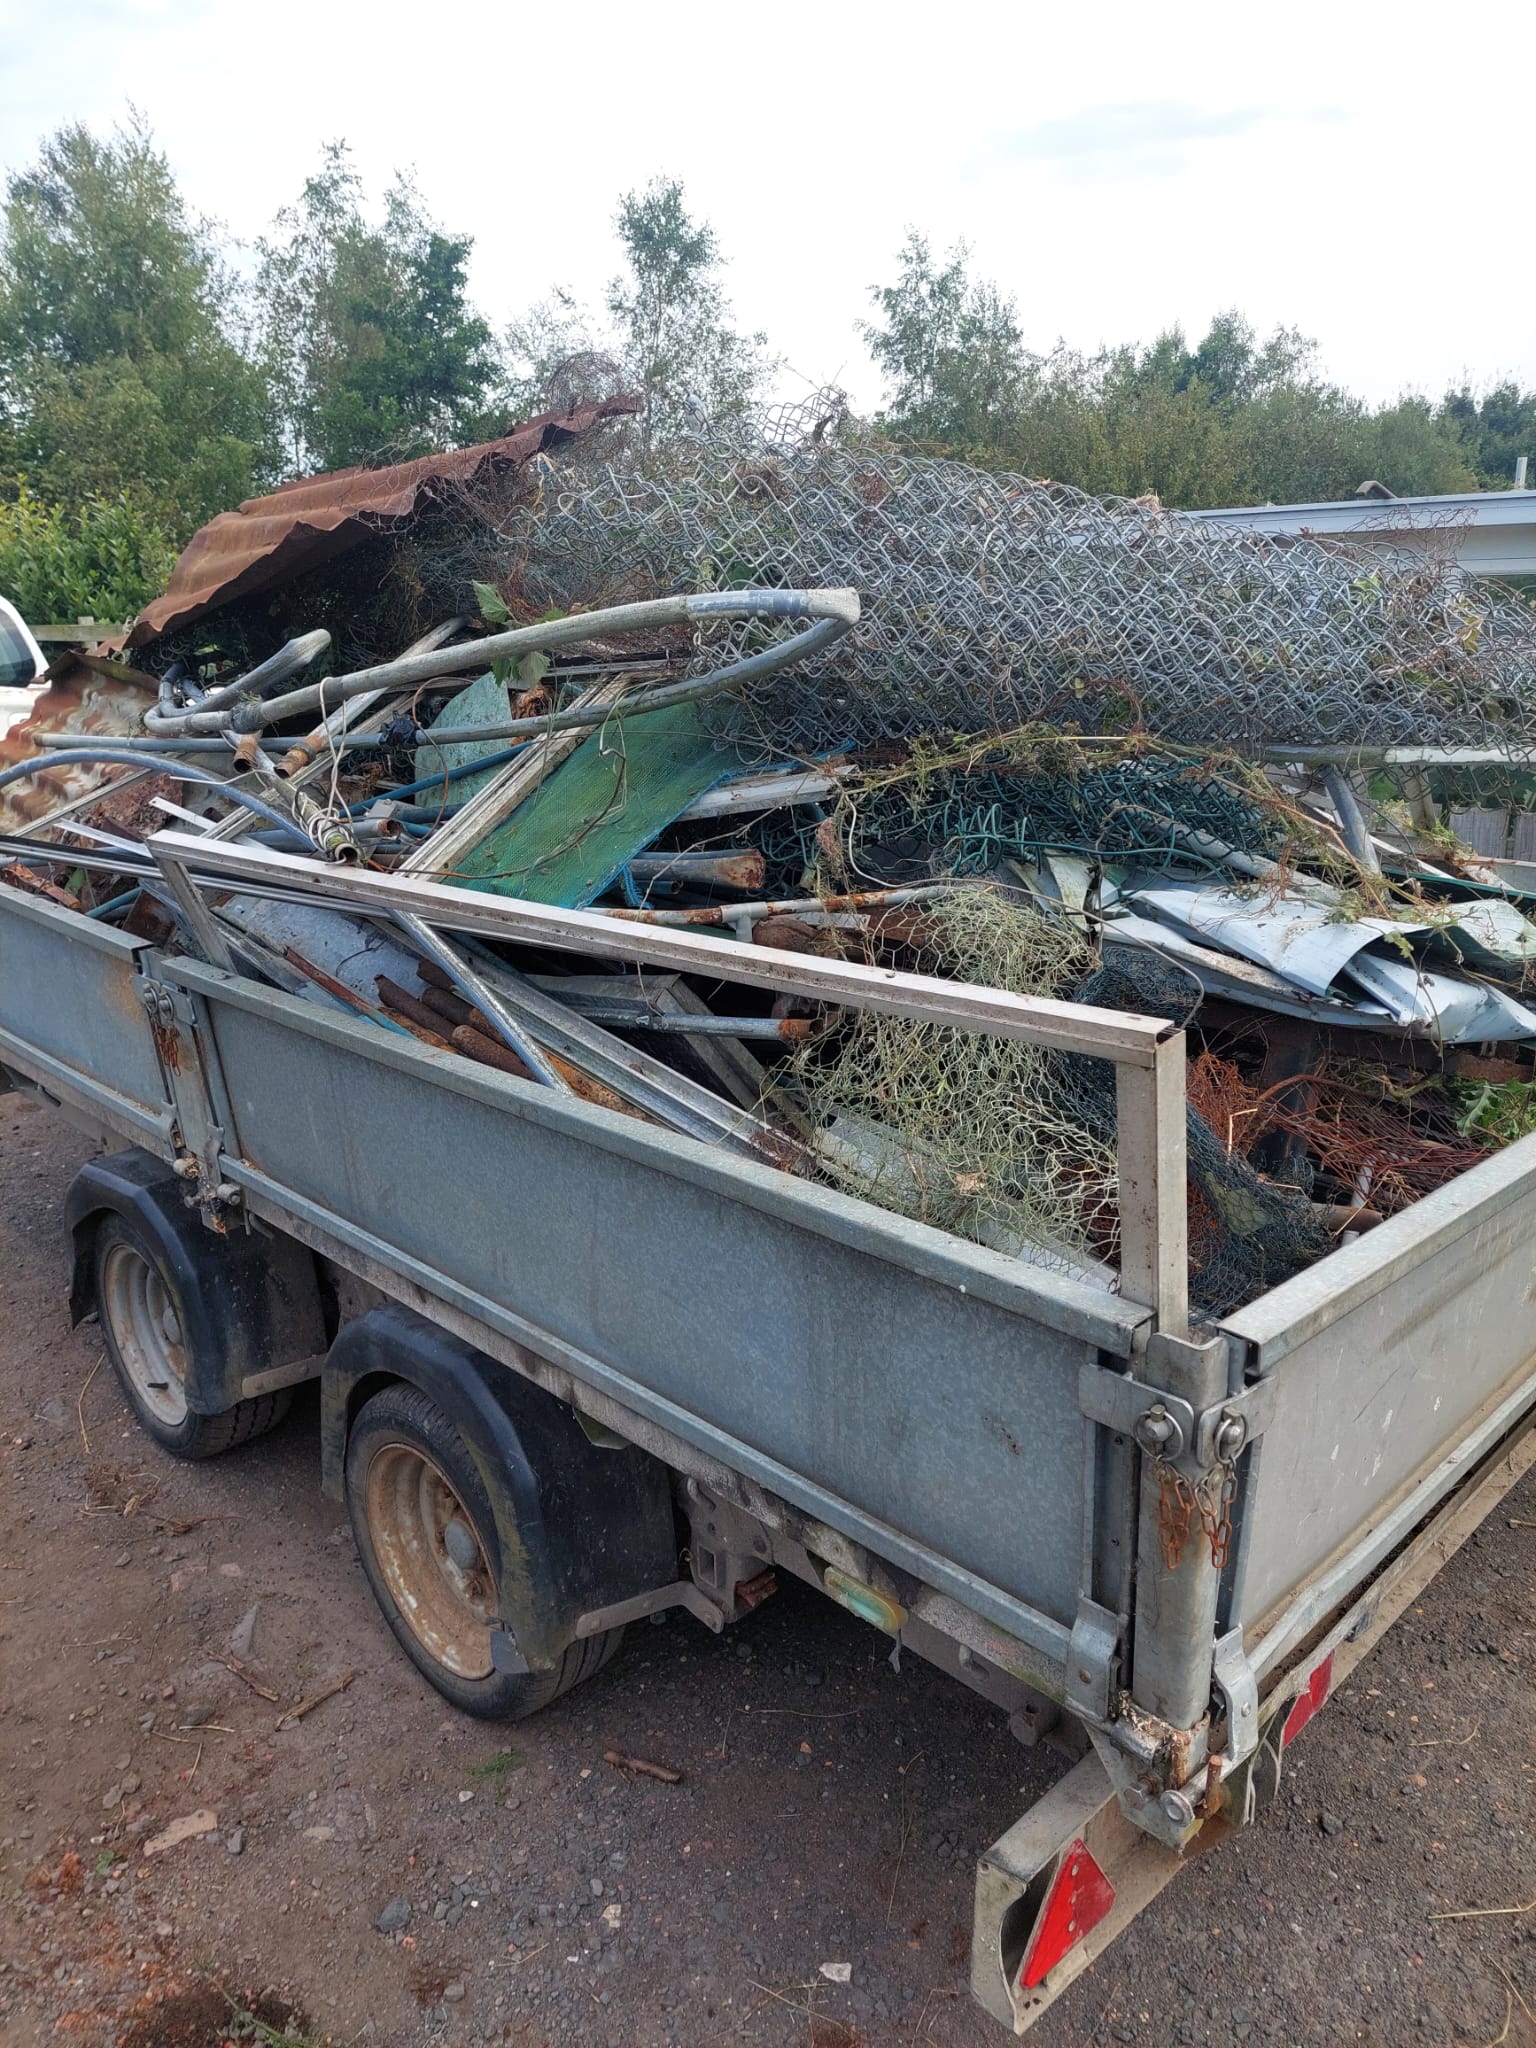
[(1383, 1357), (794, 1334), (69, 989)]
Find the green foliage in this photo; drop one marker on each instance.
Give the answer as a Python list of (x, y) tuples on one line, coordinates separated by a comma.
[(950, 349), (495, 1769), (104, 559), (1498, 1110), (1232, 420), (118, 363), (372, 346), (670, 312), (1496, 430)]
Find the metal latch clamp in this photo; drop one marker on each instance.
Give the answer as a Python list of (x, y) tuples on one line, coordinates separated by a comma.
[(1170, 1428)]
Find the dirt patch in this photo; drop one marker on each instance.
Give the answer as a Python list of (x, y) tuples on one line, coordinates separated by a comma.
[(532, 1896), (209, 2016)]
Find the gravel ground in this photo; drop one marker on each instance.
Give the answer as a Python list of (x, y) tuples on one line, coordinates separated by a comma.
[(386, 1872)]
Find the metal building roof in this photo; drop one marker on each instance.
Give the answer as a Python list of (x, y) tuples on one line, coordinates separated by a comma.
[(1493, 533)]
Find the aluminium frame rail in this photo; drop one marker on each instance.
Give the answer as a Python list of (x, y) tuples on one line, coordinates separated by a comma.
[(1147, 1052)]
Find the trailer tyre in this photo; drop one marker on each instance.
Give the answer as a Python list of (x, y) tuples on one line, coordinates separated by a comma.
[(143, 1320), (427, 1539)]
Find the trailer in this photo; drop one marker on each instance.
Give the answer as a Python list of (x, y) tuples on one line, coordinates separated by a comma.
[(577, 1369)]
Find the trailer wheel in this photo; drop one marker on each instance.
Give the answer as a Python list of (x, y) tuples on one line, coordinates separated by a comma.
[(143, 1321), (427, 1539)]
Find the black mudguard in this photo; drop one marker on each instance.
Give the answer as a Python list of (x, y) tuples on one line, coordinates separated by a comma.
[(580, 1526), (252, 1301)]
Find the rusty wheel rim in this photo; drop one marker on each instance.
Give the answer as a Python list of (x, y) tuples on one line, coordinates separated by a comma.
[(146, 1330), (431, 1558)]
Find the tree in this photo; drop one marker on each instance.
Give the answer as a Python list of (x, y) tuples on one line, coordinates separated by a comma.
[(369, 338), (556, 359), (119, 363), (954, 361), (1496, 430), (1231, 420), (670, 312)]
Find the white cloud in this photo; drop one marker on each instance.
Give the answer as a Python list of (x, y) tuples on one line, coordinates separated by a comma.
[(1115, 168)]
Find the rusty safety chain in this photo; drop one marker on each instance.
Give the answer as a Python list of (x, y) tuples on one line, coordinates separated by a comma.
[(1178, 1502)]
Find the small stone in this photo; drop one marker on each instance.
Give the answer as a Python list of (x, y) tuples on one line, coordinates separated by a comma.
[(465, 1797), (453, 1991), (393, 1917), (123, 1557), (113, 1796), (243, 1634), (131, 1784), (234, 1841), (1331, 1823), (196, 1717)]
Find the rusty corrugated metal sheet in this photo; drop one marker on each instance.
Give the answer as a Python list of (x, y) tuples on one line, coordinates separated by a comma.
[(95, 699), (268, 540)]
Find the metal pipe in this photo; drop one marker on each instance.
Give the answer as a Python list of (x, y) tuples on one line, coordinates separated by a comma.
[(1407, 756), (116, 903), (152, 743), (479, 996), (790, 1030), (794, 906), (186, 773), (289, 659), (1352, 826), (835, 612), (799, 647), (454, 774), (303, 753), (731, 867)]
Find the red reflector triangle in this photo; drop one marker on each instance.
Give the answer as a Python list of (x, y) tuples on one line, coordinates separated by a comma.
[(1313, 1695), (1078, 1900)]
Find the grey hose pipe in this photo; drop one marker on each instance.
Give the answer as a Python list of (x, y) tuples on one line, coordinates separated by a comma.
[(182, 771), (799, 648), (836, 610), (289, 660)]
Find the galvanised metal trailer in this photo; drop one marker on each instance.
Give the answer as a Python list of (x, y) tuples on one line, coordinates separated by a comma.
[(1174, 1539)]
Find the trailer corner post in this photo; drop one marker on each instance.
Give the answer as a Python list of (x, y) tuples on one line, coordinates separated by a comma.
[(1154, 1223)]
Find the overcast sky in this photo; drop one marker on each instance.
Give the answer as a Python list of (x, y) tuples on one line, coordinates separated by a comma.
[(1350, 169)]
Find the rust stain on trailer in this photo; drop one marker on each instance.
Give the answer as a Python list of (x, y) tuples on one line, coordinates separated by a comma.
[(267, 541)]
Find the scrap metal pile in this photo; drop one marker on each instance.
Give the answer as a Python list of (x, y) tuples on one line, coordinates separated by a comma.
[(805, 696)]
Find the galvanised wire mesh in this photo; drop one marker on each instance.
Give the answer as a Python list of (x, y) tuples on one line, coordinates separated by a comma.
[(992, 601)]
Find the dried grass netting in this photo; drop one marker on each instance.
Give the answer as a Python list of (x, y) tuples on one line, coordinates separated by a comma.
[(938, 811), (974, 1135), (1014, 1146)]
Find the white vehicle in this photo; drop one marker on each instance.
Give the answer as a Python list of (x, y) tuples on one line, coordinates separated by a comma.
[(22, 663)]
